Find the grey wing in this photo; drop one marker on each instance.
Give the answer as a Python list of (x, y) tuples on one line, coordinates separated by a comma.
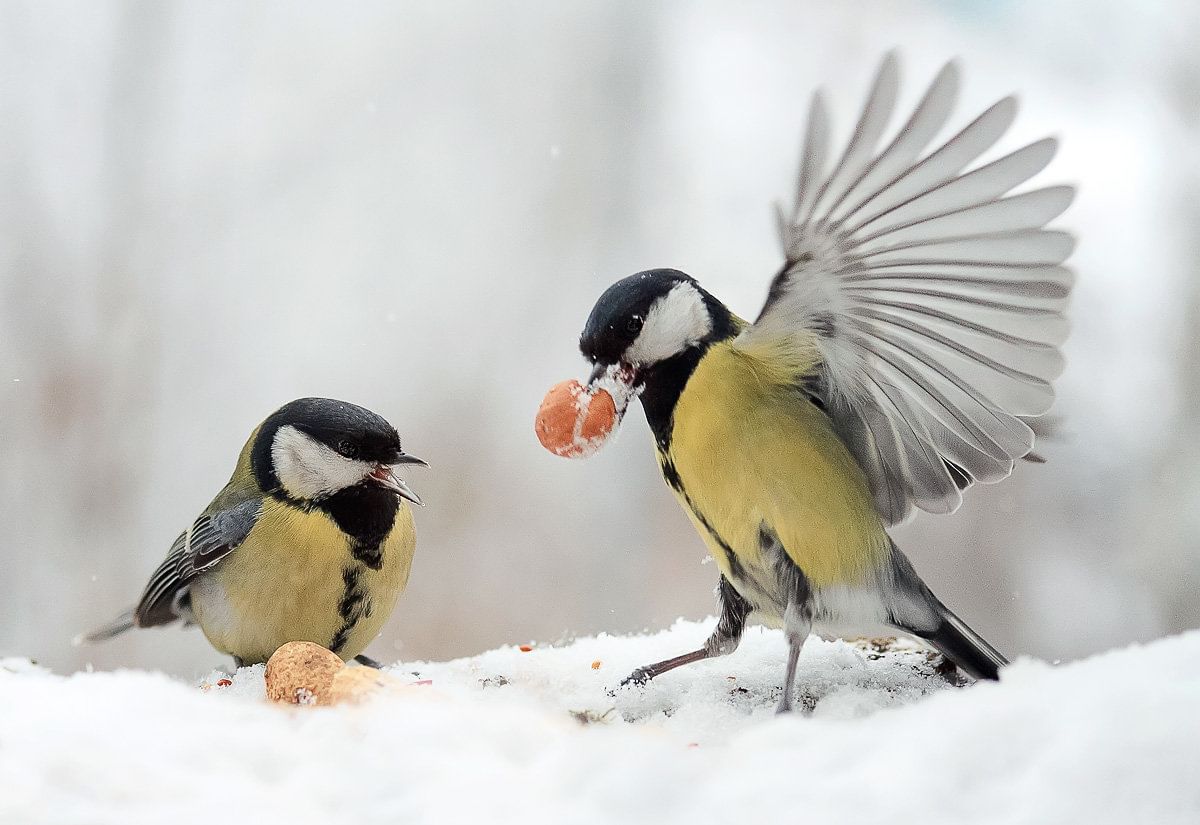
[(210, 539), (932, 297)]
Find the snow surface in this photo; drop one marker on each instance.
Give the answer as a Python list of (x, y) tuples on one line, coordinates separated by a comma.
[(536, 737)]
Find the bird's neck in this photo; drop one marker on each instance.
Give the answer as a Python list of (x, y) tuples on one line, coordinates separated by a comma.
[(365, 513), (664, 382)]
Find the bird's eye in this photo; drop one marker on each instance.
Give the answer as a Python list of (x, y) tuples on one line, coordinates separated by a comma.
[(634, 325), (347, 448)]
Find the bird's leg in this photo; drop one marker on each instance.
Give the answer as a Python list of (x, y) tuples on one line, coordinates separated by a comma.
[(724, 639), (797, 622), (644, 674), (367, 661)]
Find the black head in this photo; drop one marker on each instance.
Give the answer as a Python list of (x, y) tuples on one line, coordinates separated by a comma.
[(646, 334), (313, 448), (650, 317)]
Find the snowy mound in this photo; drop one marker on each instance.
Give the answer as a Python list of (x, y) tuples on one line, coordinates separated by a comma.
[(537, 737)]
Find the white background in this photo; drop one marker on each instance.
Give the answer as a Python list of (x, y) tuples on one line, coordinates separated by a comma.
[(208, 209)]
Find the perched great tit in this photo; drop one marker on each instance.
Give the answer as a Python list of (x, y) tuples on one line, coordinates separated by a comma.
[(916, 319), (311, 540)]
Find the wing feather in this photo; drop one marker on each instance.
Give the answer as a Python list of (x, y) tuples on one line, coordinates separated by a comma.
[(927, 120), (934, 296), (979, 187), (1018, 214), (859, 154), (812, 163), (210, 539), (941, 166)]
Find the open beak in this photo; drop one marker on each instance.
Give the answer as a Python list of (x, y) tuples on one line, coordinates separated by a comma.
[(385, 476)]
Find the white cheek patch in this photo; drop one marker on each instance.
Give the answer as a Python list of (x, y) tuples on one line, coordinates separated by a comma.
[(308, 469), (675, 322)]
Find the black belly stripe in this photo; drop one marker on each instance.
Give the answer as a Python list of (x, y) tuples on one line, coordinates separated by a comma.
[(671, 474), (352, 596), (354, 605)]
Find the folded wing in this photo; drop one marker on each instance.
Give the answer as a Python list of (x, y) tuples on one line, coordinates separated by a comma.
[(210, 539)]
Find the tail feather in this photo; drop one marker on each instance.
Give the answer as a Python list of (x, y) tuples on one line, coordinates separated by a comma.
[(915, 610), (116, 627), (966, 648)]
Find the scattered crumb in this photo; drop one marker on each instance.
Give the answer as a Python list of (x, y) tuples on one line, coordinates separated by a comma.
[(590, 717)]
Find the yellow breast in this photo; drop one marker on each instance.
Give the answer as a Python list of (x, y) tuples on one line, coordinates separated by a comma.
[(750, 452), (294, 579)]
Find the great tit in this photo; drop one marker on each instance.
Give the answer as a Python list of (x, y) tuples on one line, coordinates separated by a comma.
[(311, 540), (915, 321)]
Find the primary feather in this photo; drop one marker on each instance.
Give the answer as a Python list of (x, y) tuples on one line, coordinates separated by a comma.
[(931, 297)]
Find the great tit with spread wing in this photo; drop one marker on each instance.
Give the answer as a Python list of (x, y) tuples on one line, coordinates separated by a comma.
[(311, 540), (916, 320)]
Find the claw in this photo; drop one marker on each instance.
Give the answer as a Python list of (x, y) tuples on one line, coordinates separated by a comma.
[(639, 677)]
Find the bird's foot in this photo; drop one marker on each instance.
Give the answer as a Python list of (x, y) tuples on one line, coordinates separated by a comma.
[(639, 677)]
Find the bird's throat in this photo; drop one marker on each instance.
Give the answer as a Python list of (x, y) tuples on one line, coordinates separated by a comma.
[(662, 385), (366, 513)]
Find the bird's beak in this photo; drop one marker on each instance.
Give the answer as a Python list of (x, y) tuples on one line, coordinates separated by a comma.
[(622, 381), (597, 373), (405, 458), (623, 375), (386, 477)]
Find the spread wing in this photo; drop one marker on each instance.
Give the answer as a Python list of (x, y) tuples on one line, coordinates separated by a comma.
[(924, 302), (211, 538)]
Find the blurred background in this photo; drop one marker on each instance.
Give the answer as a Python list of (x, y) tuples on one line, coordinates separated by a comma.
[(209, 209)]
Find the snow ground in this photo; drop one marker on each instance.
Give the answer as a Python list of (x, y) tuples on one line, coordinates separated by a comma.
[(496, 738)]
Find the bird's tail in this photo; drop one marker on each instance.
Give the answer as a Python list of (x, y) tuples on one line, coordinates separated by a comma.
[(114, 628), (966, 648), (917, 611)]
